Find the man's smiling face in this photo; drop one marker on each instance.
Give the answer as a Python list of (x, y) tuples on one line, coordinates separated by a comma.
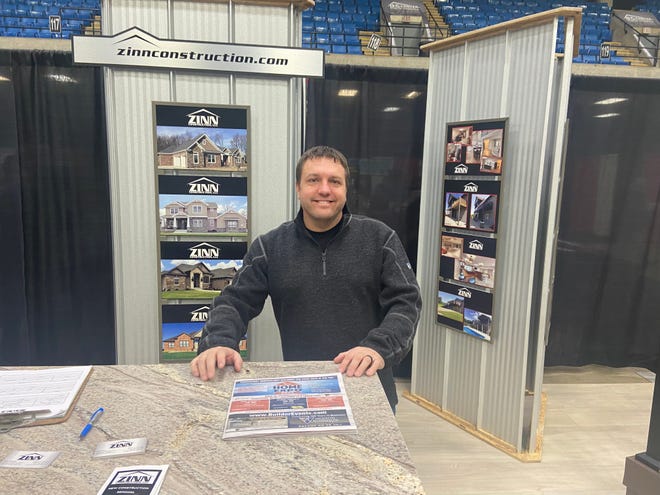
[(322, 193)]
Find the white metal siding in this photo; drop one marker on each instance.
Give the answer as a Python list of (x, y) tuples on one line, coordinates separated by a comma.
[(274, 142), (510, 74)]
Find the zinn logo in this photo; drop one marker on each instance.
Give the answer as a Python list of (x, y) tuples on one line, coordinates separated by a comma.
[(465, 293), (204, 251), (203, 186), (470, 187), (203, 118), (31, 457), (135, 477), (460, 169), (476, 245), (121, 445), (200, 314)]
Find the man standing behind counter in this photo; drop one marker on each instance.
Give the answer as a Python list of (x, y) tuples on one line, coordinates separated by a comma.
[(341, 285)]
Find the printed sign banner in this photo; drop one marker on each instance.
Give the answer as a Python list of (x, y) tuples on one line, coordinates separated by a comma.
[(473, 164), (202, 159), (475, 148), (136, 47), (466, 309), (471, 205)]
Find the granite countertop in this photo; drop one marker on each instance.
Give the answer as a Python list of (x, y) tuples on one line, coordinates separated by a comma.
[(183, 420)]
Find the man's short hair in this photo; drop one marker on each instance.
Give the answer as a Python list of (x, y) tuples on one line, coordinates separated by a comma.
[(322, 152)]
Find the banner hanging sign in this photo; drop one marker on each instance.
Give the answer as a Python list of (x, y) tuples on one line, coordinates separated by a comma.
[(135, 47)]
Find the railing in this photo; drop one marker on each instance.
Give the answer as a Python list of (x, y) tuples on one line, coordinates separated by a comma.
[(646, 47), (404, 38)]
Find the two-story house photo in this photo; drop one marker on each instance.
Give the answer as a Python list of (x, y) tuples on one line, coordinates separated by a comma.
[(199, 216), (201, 152)]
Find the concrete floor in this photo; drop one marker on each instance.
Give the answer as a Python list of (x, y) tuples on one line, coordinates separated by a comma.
[(595, 418)]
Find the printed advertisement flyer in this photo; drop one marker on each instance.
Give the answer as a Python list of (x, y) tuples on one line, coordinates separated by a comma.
[(285, 405)]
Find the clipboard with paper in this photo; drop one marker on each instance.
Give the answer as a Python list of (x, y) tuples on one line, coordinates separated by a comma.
[(32, 397)]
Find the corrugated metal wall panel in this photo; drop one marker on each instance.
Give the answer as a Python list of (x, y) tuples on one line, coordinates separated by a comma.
[(431, 340), (150, 15), (274, 142), (484, 78), (261, 25), (530, 88), (201, 88), (134, 208), (508, 74), (201, 20)]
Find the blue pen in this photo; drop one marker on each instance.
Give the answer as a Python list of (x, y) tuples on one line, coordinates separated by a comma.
[(92, 419)]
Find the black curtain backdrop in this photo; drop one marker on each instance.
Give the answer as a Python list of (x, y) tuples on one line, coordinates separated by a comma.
[(56, 306), (380, 129), (607, 287)]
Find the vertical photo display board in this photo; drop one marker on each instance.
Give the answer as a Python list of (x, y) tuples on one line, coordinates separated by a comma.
[(202, 160), (473, 164)]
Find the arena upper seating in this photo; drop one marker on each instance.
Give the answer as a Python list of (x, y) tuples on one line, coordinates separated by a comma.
[(466, 15), (652, 6), (334, 25), (30, 18)]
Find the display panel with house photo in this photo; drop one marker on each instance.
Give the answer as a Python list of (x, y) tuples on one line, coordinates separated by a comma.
[(468, 259), (465, 309), (456, 210), (196, 279), (181, 330), (201, 138), (475, 148), (471, 204), (207, 206), (450, 308), (483, 212), (198, 270)]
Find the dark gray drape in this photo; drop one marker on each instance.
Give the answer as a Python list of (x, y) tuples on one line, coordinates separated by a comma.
[(57, 296), (380, 129), (607, 288)]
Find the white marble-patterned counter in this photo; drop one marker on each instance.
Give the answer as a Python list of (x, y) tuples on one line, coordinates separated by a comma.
[(183, 419)]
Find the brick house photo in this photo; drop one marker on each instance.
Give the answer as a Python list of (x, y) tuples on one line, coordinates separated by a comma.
[(201, 152)]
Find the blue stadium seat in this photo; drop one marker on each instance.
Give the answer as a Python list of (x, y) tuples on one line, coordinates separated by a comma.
[(12, 31), (336, 28), (339, 49), (321, 27), (337, 39), (323, 39), (345, 17), (350, 28), (352, 39), (69, 13), (354, 50), (42, 23), (324, 47)]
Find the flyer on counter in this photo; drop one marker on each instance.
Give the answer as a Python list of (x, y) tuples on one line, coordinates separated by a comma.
[(135, 480), (289, 405)]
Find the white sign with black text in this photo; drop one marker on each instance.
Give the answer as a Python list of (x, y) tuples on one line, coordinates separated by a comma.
[(135, 47)]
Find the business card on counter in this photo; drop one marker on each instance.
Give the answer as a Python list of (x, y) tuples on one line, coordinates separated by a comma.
[(30, 459), (135, 480), (116, 448)]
